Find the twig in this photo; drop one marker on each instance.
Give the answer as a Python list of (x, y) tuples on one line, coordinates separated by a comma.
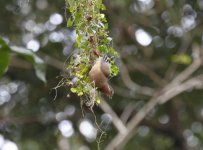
[(115, 119), (132, 85), (147, 71), (128, 110), (126, 78), (196, 82)]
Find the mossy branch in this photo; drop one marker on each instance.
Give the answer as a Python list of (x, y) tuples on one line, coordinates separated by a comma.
[(92, 41)]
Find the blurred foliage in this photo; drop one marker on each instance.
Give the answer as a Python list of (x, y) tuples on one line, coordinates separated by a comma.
[(181, 59), (150, 33), (26, 54)]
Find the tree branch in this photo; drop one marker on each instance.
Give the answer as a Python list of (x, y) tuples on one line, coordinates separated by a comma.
[(120, 140), (170, 91), (132, 85), (115, 119)]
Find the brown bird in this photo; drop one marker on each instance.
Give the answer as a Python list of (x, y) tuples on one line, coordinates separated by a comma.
[(99, 74)]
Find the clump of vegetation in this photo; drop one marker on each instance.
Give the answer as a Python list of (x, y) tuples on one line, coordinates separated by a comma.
[(92, 41)]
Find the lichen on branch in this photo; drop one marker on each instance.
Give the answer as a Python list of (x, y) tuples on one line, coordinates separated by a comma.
[(92, 41)]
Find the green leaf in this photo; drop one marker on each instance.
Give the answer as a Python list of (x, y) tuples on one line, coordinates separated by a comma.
[(4, 61), (103, 7), (97, 100), (69, 22), (181, 59), (103, 48), (71, 2), (37, 62), (4, 56), (113, 52), (23, 51), (114, 70), (71, 8), (40, 71), (80, 94), (73, 90)]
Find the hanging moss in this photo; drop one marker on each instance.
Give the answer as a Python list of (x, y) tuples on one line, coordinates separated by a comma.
[(92, 41)]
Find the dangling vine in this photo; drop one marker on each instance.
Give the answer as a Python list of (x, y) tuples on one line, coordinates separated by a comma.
[(92, 41)]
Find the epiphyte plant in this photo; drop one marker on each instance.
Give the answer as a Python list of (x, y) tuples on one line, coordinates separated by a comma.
[(90, 67)]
